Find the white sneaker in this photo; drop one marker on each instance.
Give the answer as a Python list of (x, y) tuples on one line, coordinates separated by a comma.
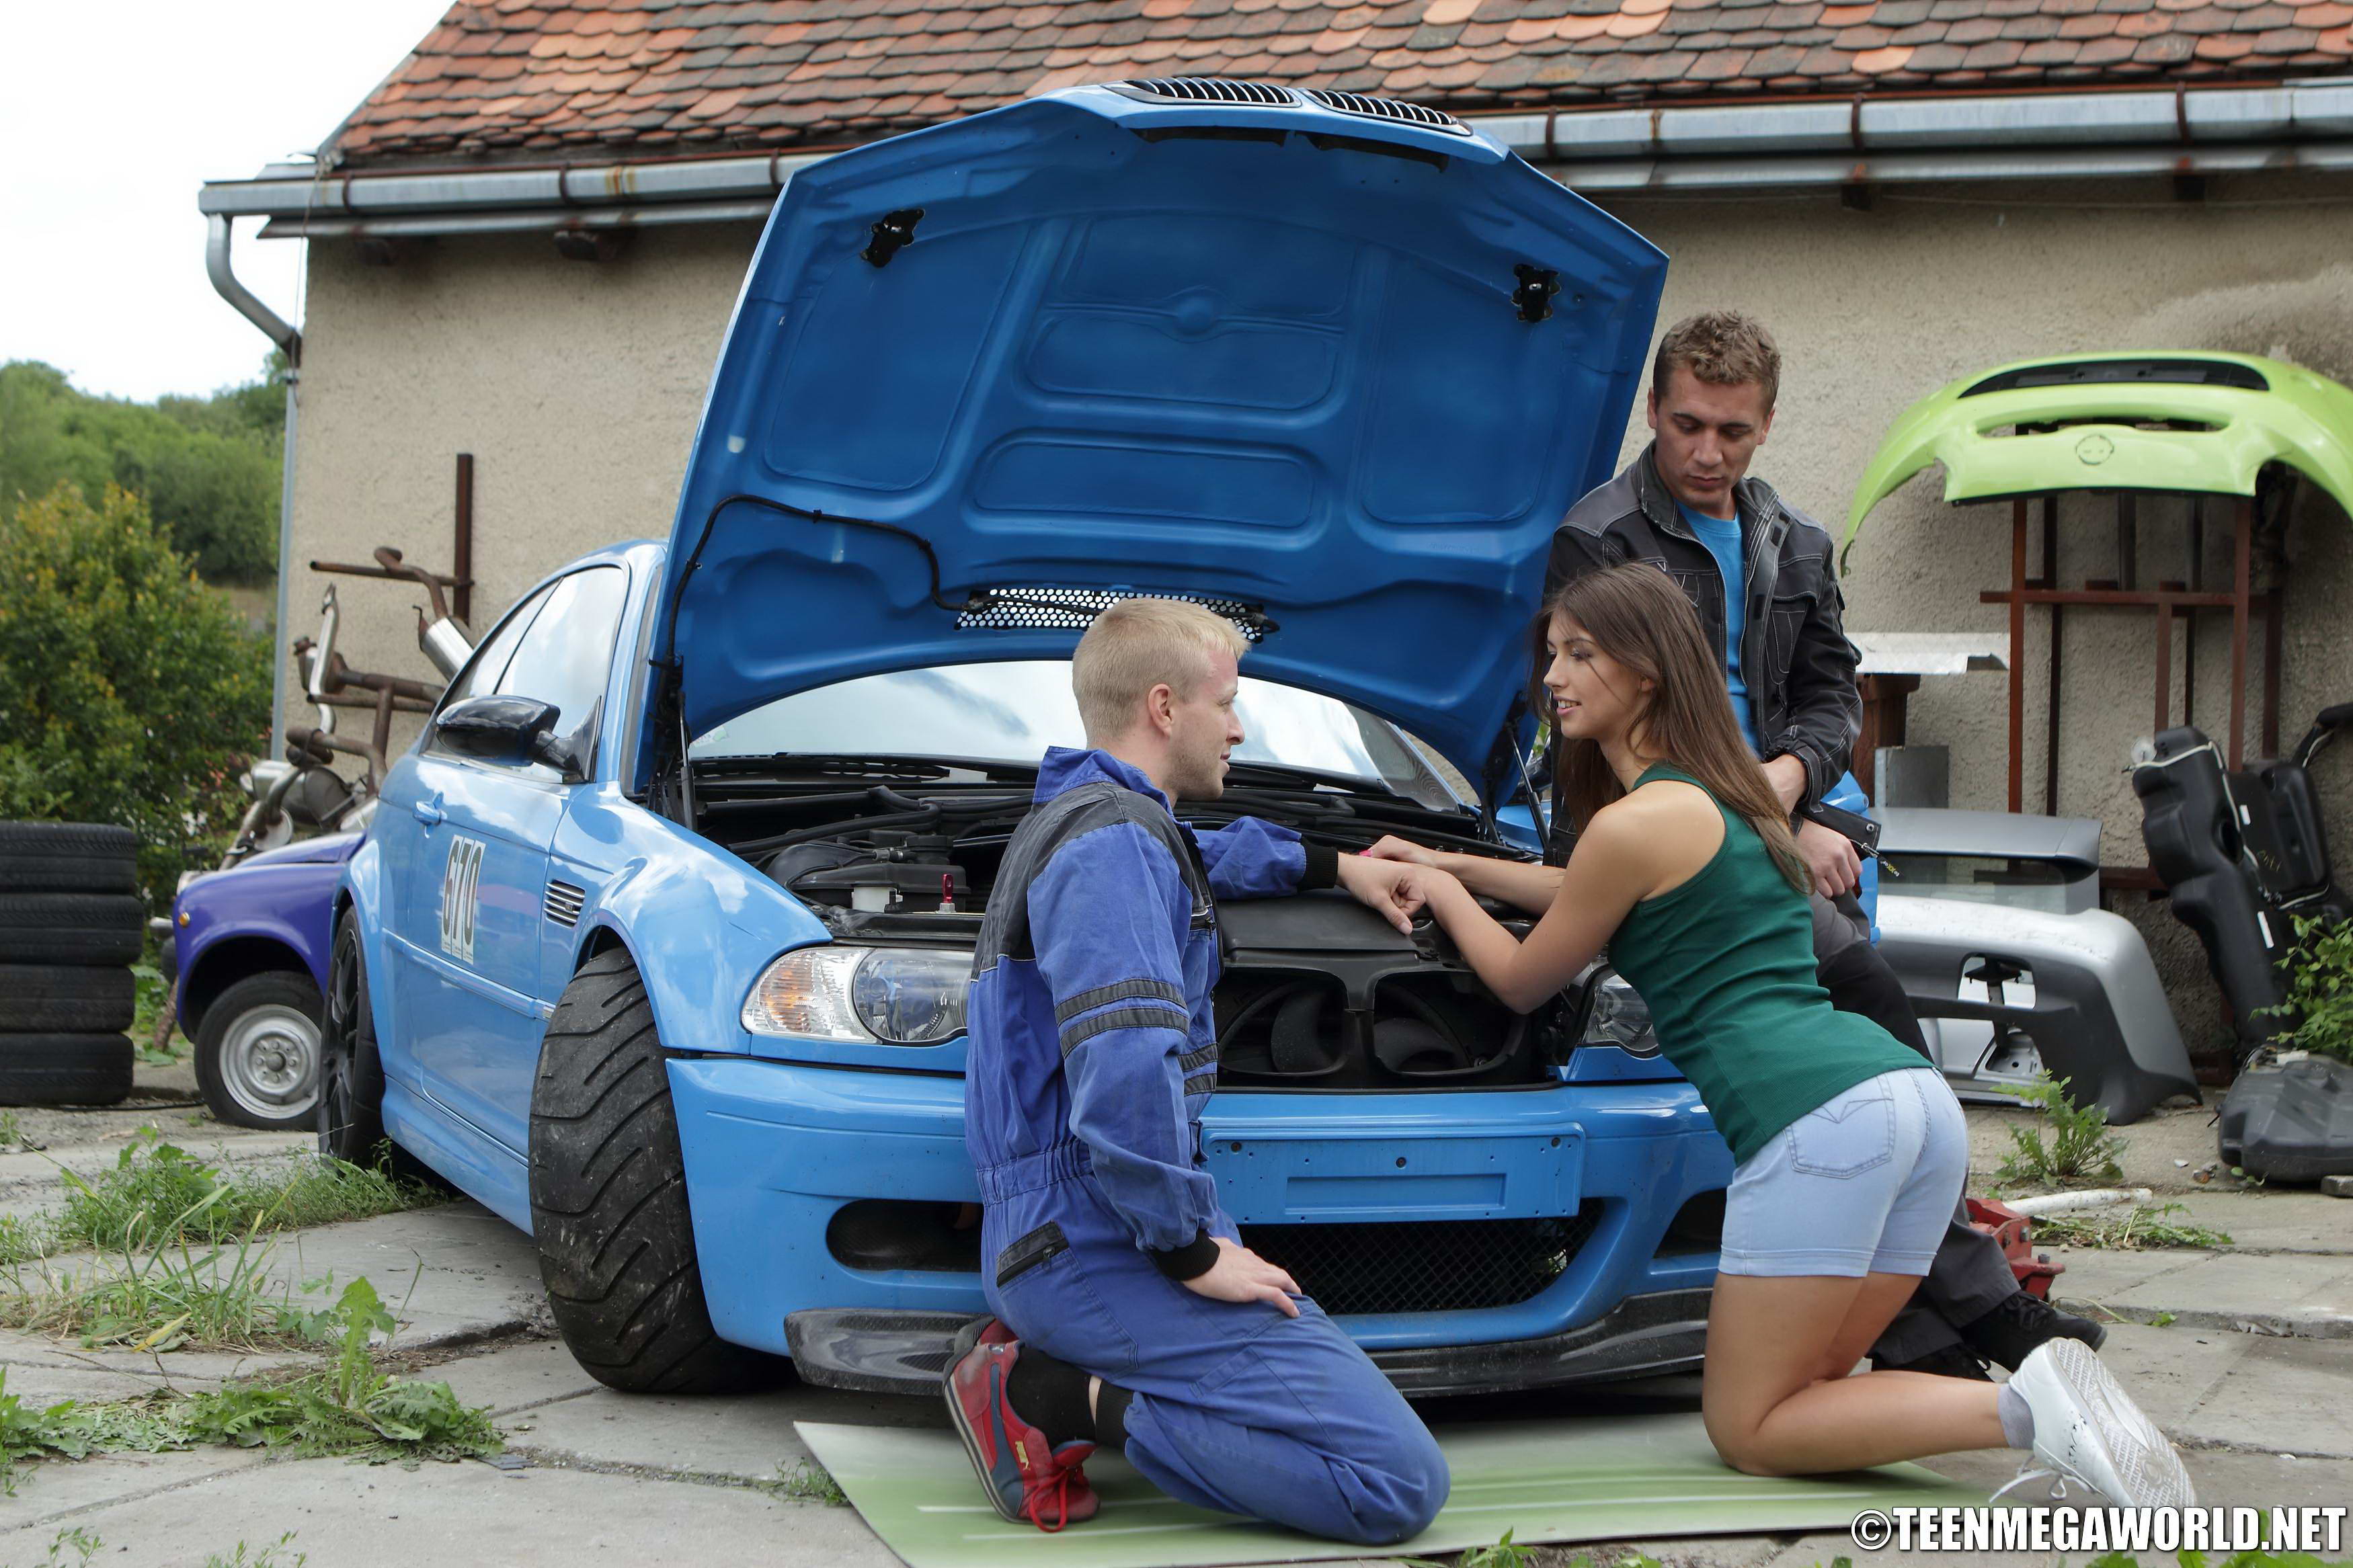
[(2088, 1430)]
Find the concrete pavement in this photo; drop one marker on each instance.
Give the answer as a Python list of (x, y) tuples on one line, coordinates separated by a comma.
[(2253, 1377)]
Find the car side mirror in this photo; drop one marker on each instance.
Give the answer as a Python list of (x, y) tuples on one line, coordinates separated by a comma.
[(508, 730)]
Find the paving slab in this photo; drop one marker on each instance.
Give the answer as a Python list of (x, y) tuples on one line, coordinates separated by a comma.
[(518, 1375), (472, 1514), (451, 1274), (2273, 1220), (2291, 1396), (52, 1492), (745, 1436), (2170, 1372), (2307, 1295)]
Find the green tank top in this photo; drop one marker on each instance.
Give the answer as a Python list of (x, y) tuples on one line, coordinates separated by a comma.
[(1725, 960)]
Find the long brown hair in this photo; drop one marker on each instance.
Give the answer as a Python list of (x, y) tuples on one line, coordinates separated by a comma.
[(1637, 615)]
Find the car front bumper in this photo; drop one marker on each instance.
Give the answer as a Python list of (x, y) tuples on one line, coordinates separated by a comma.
[(776, 1152)]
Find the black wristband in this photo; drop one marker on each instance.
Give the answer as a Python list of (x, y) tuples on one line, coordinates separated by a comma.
[(1190, 1261), (1322, 868)]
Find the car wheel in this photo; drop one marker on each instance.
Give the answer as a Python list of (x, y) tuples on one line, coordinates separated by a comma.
[(64, 1069), (257, 1052), (608, 1198), (350, 1073), (71, 927), (60, 999)]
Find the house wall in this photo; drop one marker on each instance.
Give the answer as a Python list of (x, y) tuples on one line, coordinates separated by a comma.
[(577, 385)]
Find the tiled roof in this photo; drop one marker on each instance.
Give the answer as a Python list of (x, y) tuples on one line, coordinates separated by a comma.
[(542, 78)]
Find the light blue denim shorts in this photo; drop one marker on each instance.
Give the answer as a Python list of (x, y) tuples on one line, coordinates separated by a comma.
[(1865, 1184)]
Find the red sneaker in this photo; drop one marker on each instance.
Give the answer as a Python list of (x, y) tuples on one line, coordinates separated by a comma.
[(1025, 1478)]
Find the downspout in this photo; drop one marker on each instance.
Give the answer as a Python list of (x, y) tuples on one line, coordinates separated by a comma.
[(217, 267)]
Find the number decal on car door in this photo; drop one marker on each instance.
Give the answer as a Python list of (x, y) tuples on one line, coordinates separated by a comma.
[(460, 884)]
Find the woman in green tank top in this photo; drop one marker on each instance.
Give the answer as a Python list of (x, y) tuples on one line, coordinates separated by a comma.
[(1850, 1153)]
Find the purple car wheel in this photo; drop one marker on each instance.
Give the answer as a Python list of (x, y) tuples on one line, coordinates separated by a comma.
[(258, 1053)]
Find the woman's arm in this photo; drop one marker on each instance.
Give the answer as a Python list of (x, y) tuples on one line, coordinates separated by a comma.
[(1521, 883), (1623, 856)]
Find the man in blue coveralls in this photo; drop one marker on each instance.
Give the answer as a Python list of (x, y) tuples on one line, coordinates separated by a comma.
[(1128, 1312)]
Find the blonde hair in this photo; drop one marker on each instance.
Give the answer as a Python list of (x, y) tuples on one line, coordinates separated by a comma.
[(1723, 348), (1136, 645)]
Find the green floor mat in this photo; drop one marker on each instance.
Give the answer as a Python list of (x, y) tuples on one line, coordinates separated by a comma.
[(1596, 1478)]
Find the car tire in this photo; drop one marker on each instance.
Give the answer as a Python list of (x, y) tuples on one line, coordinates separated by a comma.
[(350, 1108), (68, 857), (92, 930), (258, 1053), (60, 999), (64, 1069), (608, 1204)]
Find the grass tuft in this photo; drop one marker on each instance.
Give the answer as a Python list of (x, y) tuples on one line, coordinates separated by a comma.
[(809, 1482)]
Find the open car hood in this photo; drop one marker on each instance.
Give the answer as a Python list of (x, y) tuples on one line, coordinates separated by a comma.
[(2204, 422), (1339, 370)]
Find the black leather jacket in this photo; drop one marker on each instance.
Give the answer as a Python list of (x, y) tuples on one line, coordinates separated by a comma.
[(1794, 654)]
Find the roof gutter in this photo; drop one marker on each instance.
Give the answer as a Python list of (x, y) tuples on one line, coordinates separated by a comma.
[(1701, 147)]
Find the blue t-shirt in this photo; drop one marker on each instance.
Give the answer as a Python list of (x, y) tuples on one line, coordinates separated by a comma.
[(1721, 537)]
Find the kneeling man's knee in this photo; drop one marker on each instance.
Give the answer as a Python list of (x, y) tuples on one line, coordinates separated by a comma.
[(1403, 1491)]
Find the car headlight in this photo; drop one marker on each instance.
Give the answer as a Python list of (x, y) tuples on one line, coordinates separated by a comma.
[(861, 995), (1617, 1016)]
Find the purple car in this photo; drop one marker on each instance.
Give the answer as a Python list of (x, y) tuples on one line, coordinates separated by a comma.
[(248, 954)]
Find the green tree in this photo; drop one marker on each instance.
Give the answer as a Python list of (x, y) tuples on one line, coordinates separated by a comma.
[(207, 466), (128, 691)]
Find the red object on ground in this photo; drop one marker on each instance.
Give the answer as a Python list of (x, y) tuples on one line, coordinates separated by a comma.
[(2035, 1272)]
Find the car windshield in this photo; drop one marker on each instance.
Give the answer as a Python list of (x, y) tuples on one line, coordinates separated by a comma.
[(1010, 712)]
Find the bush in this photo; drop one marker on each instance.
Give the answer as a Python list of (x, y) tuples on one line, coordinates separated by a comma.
[(130, 692)]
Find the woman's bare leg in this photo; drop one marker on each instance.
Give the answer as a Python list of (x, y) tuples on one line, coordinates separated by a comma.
[(1777, 1397)]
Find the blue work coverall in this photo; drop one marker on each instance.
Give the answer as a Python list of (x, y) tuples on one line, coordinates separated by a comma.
[(1092, 1051)]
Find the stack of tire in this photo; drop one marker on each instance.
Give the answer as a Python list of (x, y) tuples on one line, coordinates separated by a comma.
[(72, 922)]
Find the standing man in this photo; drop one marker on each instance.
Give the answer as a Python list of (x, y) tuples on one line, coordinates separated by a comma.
[(1760, 574), (1128, 1312)]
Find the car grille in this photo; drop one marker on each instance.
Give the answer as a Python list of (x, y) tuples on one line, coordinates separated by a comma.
[(1386, 109), (1442, 1266), (1210, 90)]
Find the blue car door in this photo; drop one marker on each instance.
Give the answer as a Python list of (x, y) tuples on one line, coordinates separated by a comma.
[(472, 1013)]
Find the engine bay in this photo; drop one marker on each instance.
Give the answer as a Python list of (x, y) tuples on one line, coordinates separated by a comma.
[(1316, 990)]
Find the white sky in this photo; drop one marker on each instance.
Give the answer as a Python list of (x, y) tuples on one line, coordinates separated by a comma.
[(113, 112)]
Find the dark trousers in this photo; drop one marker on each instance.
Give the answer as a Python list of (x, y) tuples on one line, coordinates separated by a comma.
[(1970, 1277)]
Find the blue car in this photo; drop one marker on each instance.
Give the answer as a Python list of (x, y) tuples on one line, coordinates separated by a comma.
[(659, 941)]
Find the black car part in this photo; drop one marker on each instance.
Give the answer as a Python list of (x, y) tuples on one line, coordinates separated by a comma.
[(2244, 855), (2291, 1122)]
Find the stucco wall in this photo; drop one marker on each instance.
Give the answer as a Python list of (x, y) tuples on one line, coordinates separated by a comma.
[(577, 387), (574, 384)]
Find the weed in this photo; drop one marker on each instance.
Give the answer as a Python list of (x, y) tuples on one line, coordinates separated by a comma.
[(151, 1179), (2319, 999), (1505, 1553), (268, 1557), (808, 1481), (2134, 1230), (154, 992), (2162, 1320), (346, 1408), (2082, 1149), (12, 1133), (82, 1542), (350, 1407)]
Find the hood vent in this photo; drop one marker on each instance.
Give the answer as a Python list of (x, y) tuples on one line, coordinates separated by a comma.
[(1075, 609), (563, 903), (1388, 109), (1209, 90)]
